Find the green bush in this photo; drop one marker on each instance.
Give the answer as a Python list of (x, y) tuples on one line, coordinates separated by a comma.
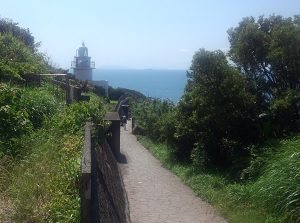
[(45, 185), (115, 94), (39, 104), (14, 120), (285, 111), (21, 111), (216, 111), (73, 118), (156, 118), (99, 90), (17, 60), (43, 182)]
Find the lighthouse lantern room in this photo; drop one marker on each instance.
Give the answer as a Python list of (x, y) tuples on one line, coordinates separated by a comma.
[(82, 65)]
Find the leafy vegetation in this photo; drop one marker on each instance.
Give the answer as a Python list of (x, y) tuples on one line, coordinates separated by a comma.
[(41, 139), (279, 185), (226, 137), (215, 107), (42, 175), (16, 60), (24, 35), (266, 51), (14, 120), (273, 197), (155, 118), (115, 94)]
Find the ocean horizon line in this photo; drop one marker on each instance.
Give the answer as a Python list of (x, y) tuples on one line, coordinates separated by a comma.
[(161, 84), (129, 68)]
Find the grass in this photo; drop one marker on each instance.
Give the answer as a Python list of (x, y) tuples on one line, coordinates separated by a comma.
[(93, 96), (41, 182), (43, 186), (279, 186), (273, 198)]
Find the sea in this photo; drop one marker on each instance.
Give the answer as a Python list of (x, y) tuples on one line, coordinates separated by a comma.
[(162, 84)]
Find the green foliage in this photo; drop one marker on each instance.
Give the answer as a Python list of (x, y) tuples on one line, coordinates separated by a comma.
[(226, 118), (76, 115), (156, 118), (160, 150), (285, 110), (39, 104), (16, 59), (43, 180), (115, 94), (22, 110), (24, 35), (216, 111), (267, 52), (99, 90), (41, 141), (14, 121), (273, 198), (279, 185), (44, 185)]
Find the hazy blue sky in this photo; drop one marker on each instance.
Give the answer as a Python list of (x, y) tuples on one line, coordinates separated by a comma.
[(136, 33)]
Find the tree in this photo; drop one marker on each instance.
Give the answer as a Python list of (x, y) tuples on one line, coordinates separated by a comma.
[(216, 113), (24, 35), (99, 90), (267, 52), (17, 60), (155, 118)]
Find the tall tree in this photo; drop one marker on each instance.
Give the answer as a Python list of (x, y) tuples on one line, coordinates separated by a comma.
[(267, 51), (24, 35), (216, 112), (17, 60)]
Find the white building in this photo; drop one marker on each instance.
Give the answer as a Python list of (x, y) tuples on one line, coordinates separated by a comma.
[(82, 65)]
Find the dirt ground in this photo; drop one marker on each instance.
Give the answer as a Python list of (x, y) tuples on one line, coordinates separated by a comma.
[(6, 210)]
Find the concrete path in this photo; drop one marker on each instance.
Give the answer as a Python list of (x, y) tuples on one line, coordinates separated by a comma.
[(154, 193)]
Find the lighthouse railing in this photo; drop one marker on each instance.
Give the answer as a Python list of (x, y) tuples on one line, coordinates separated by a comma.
[(84, 66), (93, 64)]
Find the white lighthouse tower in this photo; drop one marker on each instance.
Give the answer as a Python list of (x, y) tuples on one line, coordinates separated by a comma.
[(82, 64)]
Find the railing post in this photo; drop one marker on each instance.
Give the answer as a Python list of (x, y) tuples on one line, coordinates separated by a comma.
[(85, 191), (114, 129)]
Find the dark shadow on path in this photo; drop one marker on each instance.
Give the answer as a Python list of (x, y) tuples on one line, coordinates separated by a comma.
[(122, 159)]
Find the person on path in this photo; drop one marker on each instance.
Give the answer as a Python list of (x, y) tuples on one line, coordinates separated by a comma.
[(124, 121)]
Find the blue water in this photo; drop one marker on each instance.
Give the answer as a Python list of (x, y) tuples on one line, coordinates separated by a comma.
[(163, 84)]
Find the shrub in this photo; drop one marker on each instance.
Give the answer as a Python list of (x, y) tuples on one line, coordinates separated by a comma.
[(99, 90), (156, 118), (45, 186), (73, 118), (216, 110), (39, 104), (14, 120)]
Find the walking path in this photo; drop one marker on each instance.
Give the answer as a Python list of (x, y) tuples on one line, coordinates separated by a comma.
[(154, 193)]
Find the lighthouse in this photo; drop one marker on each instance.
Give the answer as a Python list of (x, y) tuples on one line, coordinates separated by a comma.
[(82, 65)]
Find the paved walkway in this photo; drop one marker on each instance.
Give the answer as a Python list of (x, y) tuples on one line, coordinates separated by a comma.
[(154, 193)]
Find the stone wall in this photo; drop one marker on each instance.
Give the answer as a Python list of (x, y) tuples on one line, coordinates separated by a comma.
[(109, 199), (86, 174), (103, 195)]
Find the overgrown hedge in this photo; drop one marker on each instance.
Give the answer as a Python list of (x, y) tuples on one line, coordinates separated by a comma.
[(40, 159)]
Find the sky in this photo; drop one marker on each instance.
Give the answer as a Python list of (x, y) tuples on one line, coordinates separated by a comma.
[(138, 34)]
